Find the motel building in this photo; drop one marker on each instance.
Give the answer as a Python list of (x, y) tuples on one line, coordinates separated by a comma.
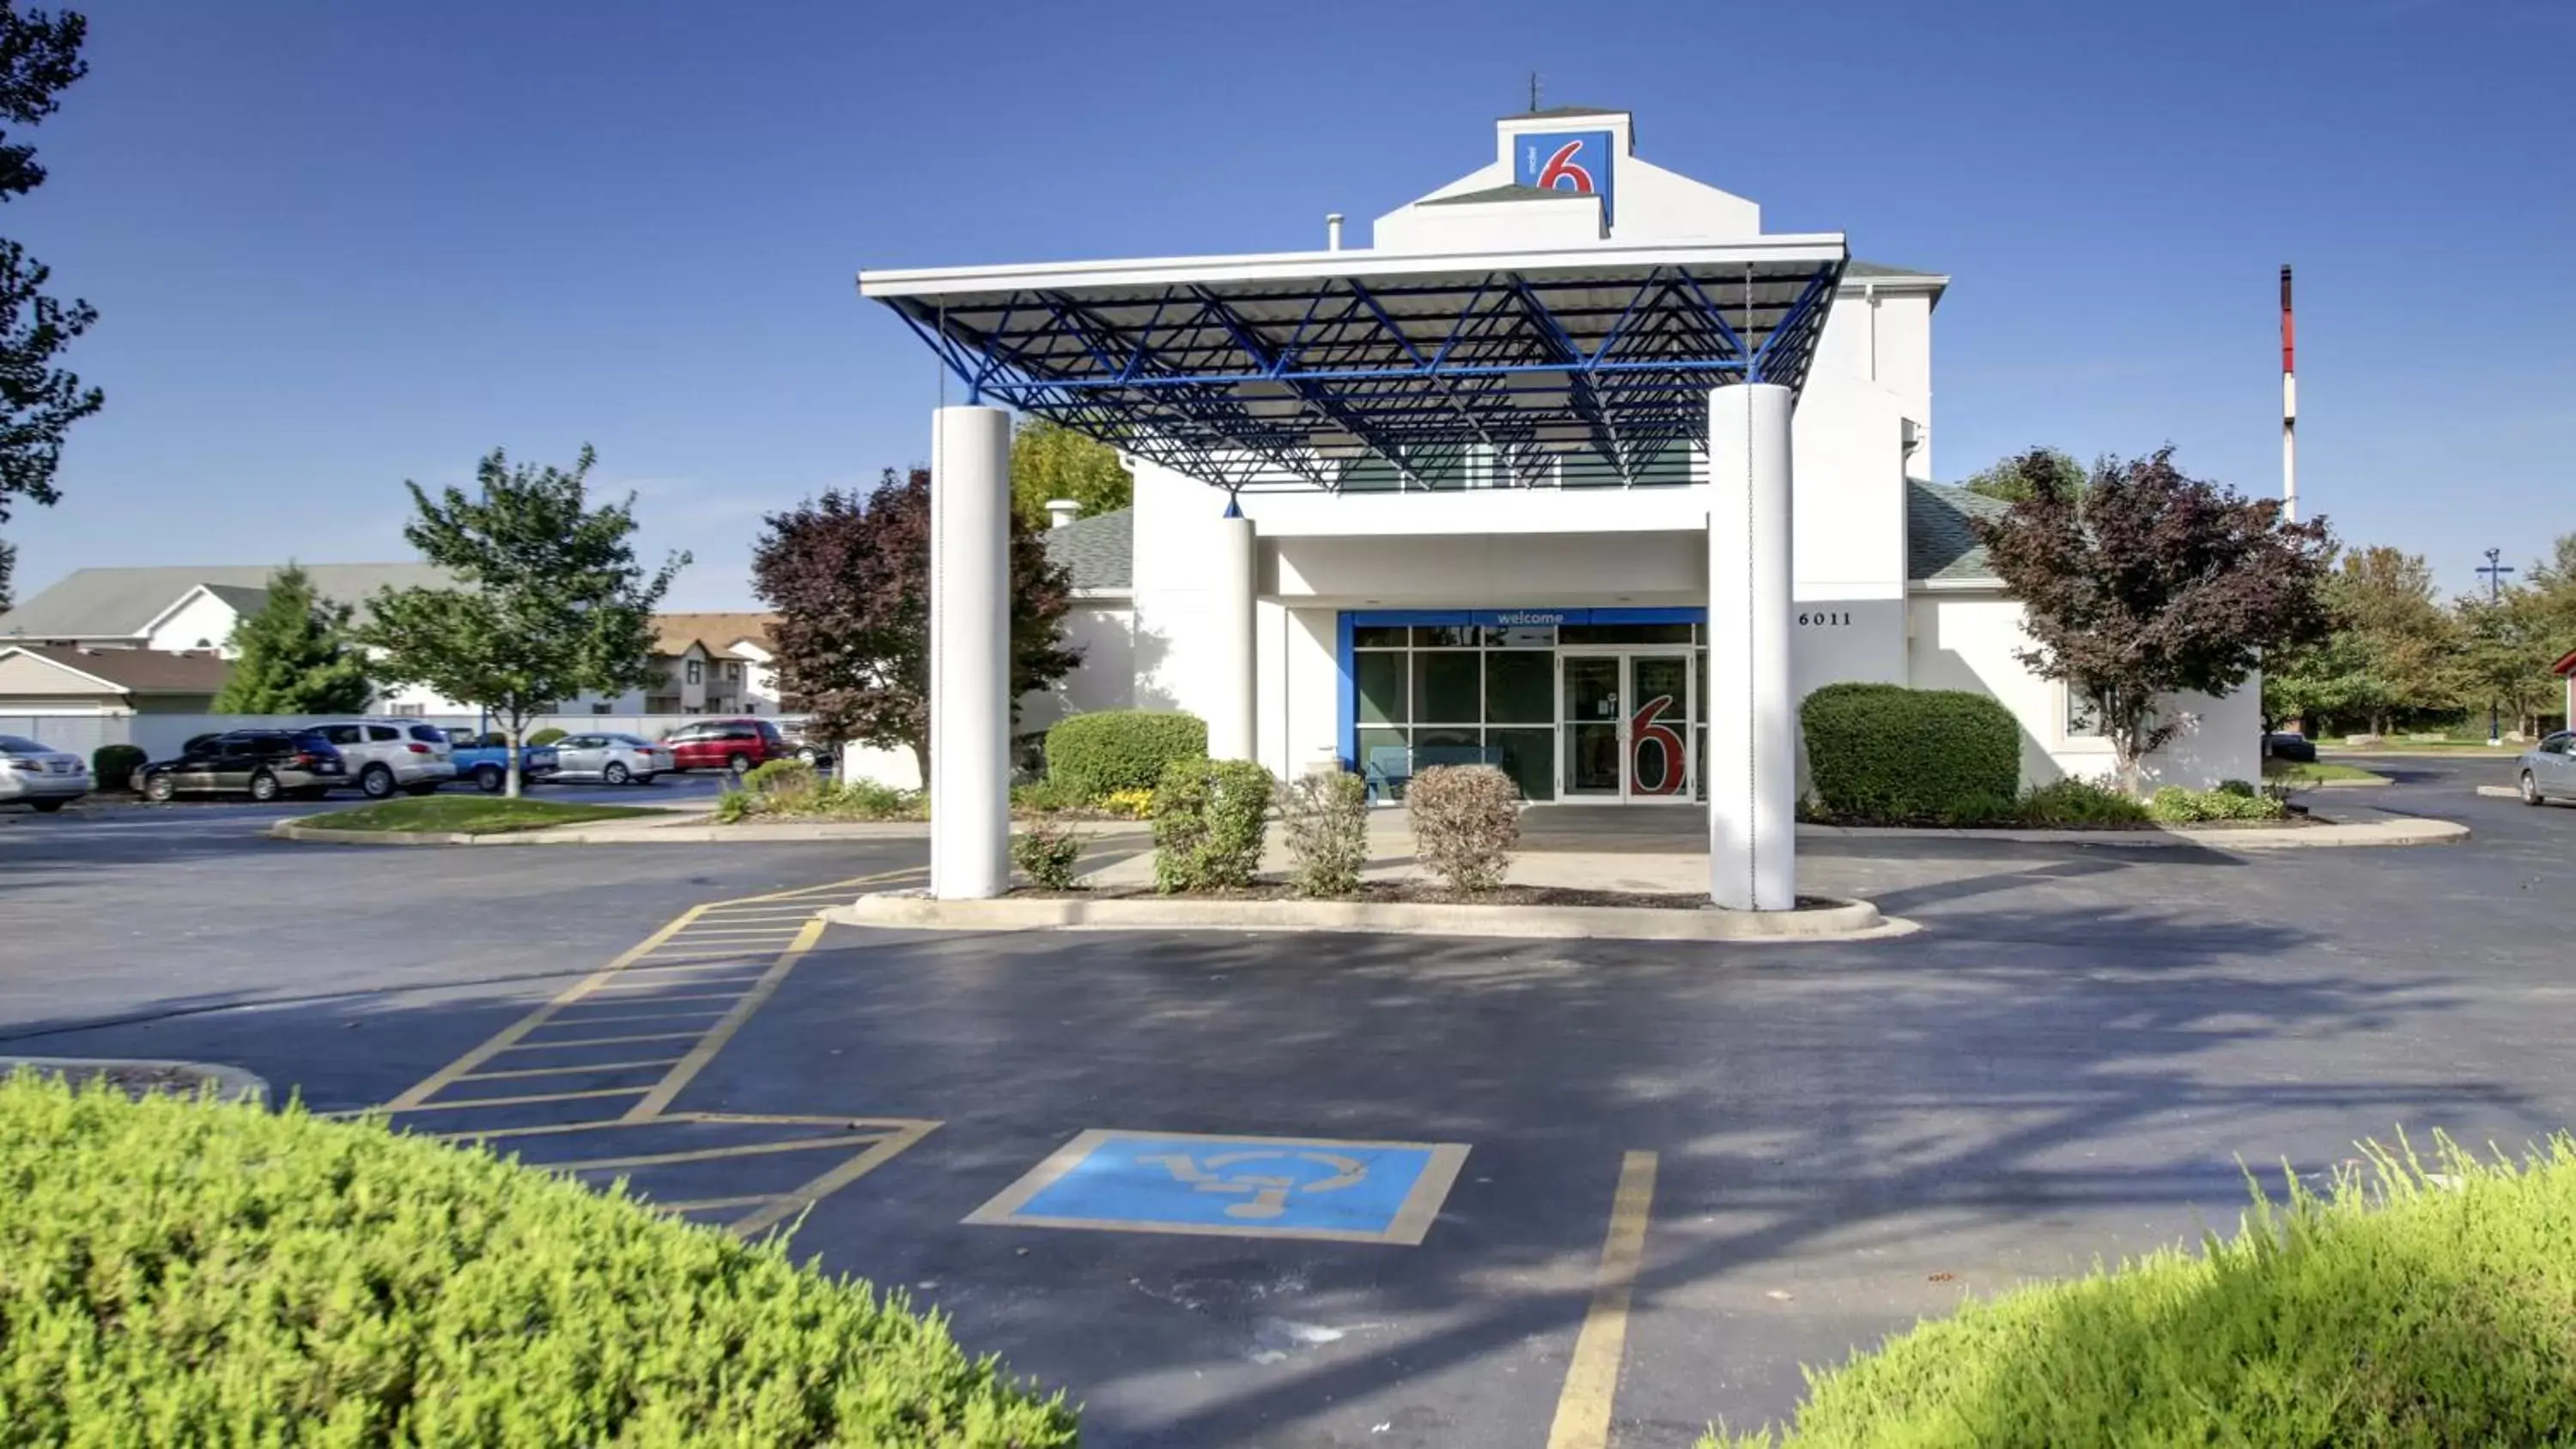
[(1574, 469)]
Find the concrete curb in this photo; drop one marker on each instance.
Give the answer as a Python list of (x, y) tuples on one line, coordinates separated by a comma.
[(231, 1084), (2305, 837), (649, 833), (1845, 921)]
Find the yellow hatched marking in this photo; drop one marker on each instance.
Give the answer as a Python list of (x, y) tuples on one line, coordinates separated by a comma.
[(1592, 1376), (529, 1046), (459, 1106), (707, 1204), (709, 1154), (830, 1182), (727, 1119), (650, 1015), (705, 1051), (564, 1071)]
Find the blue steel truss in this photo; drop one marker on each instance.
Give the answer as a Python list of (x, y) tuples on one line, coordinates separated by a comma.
[(1489, 378)]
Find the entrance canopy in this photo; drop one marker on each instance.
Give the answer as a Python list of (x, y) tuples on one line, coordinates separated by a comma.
[(1370, 371)]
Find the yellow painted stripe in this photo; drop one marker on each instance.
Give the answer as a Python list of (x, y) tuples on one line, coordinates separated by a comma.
[(463, 1103), (705, 1051), (710, 1154), (531, 1046), (783, 1208), (648, 1015), (564, 1071), (1592, 1378), (707, 1204)]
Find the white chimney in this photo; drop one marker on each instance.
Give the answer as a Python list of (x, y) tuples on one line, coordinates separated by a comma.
[(1061, 512), (1333, 231)]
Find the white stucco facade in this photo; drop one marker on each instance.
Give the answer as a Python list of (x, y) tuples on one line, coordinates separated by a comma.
[(1863, 442)]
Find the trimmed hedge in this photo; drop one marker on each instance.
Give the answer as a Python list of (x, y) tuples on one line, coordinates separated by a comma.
[(177, 1271), (1882, 754), (2232, 800), (1110, 750), (2414, 1305)]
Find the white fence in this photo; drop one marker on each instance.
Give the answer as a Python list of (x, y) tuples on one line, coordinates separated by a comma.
[(163, 735)]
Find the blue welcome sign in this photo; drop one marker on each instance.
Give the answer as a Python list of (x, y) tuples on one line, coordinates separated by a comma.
[(1575, 161)]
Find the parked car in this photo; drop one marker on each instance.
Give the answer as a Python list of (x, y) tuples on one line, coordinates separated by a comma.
[(2290, 745), (801, 745), (385, 755), (726, 744), (485, 760), (610, 759), (2548, 769), (263, 764), (35, 773)]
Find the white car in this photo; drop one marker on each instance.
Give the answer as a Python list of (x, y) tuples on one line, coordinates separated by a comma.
[(610, 759), (385, 755), (37, 774)]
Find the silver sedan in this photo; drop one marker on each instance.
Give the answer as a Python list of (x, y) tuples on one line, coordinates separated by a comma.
[(35, 773), (2547, 771), (609, 759)]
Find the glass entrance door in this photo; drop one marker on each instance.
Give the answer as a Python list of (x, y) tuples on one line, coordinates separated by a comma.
[(1625, 725)]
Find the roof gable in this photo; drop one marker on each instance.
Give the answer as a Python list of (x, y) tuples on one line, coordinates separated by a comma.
[(122, 603), (1099, 551), (1939, 543)]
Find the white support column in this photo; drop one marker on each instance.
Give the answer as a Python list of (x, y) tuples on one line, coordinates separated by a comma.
[(1753, 709), (1233, 722), (970, 652)]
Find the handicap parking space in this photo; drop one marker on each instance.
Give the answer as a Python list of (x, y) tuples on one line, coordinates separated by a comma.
[(1275, 1187)]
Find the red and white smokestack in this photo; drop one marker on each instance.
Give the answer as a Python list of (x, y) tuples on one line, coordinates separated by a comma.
[(2289, 404)]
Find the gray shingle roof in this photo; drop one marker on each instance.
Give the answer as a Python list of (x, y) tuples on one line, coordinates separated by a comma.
[(113, 603), (1938, 542), (1098, 551)]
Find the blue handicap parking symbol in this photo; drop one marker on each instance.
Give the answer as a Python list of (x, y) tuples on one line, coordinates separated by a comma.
[(1271, 1187)]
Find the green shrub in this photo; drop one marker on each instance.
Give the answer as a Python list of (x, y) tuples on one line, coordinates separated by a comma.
[(546, 736), (1881, 754), (1044, 797), (112, 767), (1209, 824), (2405, 1307), (2078, 803), (1981, 811), (733, 807), (1121, 749), (872, 800), (1326, 816), (1047, 853), (1466, 820), (2174, 805), (786, 787), (176, 1271)]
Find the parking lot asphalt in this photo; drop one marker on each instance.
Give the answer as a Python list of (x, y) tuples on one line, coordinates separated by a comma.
[(1686, 1170)]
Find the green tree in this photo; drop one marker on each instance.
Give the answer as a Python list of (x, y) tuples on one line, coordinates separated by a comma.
[(2019, 476), (553, 602), (2507, 646), (295, 656), (1051, 461), (2149, 584), (8, 572), (39, 58)]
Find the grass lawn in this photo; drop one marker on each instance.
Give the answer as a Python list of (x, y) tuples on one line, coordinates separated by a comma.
[(470, 814), (2285, 772)]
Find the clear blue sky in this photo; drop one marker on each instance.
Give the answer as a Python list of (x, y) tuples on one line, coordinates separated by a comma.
[(337, 245)]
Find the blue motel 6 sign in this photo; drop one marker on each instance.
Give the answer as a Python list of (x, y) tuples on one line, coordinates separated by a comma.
[(1577, 161)]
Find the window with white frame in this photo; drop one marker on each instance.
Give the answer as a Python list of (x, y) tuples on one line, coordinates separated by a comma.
[(2082, 711), (697, 672)]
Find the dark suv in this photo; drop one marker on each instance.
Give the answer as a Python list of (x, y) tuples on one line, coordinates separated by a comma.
[(726, 744), (263, 764)]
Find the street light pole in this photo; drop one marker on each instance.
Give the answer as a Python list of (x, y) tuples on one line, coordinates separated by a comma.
[(2495, 572)]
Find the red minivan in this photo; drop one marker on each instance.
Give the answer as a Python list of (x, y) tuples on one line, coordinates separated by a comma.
[(726, 744)]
